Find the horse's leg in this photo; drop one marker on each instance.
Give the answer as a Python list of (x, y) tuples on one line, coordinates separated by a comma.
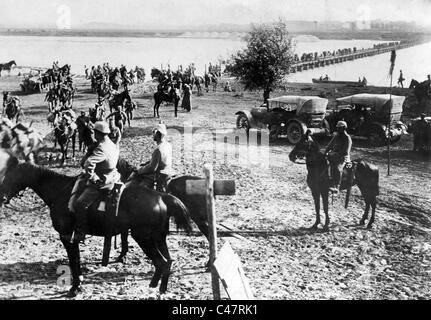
[(365, 215), (72, 250), (373, 212), (166, 269), (124, 246), (148, 245), (316, 198), (325, 200), (73, 144)]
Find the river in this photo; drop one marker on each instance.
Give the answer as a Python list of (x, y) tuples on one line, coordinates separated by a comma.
[(149, 52)]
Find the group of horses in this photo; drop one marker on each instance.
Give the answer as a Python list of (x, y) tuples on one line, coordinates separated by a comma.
[(106, 78), (170, 83)]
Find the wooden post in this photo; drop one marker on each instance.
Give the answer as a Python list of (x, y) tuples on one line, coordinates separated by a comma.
[(209, 179)]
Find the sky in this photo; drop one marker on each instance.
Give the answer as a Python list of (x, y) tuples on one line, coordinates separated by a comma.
[(142, 13)]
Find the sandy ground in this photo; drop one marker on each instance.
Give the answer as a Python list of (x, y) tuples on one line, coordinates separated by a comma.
[(391, 261)]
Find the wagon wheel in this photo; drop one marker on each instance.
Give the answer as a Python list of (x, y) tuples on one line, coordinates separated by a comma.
[(377, 137), (242, 122), (294, 132)]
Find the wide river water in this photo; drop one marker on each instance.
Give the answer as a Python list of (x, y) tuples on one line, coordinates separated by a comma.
[(149, 52)]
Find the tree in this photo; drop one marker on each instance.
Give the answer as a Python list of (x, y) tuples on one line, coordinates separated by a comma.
[(267, 58)]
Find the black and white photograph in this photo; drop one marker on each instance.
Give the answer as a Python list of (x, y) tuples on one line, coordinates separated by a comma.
[(215, 150)]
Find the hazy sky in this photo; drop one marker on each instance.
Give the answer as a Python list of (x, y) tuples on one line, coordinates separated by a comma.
[(191, 12)]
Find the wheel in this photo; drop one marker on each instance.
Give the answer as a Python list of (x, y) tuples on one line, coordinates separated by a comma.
[(294, 132), (377, 137), (242, 122)]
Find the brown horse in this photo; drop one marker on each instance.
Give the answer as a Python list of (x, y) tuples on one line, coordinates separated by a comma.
[(364, 175), (143, 211)]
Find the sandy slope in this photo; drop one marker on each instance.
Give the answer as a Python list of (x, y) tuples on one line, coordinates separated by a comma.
[(392, 261)]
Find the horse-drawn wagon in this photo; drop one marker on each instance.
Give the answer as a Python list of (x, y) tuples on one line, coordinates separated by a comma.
[(375, 116), (289, 116)]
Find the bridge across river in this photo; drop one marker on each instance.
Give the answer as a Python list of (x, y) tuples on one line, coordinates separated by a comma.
[(325, 61)]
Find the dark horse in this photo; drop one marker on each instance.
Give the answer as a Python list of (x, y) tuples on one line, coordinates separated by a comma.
[(11, 107), (64, 135), (196, 204), (365, 176), (120, 100), (145, 212), (421, 90), (171, 97), (7, 66)]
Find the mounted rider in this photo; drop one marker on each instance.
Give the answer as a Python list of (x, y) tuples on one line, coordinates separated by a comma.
[(8, 99), (158, 171), (100, 175), (338, 154)]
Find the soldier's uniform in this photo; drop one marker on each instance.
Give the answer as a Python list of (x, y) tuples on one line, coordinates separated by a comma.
[(100, 172), (338, 151), (159, 169)]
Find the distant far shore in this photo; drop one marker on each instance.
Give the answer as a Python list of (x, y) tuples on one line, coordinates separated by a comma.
[(322, 35)]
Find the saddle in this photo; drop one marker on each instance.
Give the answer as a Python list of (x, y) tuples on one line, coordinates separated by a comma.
[(348, 174), (104, 208)]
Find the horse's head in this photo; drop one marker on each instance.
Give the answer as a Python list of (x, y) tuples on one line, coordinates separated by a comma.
[(10, 176), (413, 84), (303, 147), (12, 63), (155, 73)]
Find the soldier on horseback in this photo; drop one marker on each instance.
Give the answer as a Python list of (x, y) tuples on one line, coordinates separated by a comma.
[(338, 154), (158, 171), (100, 175)]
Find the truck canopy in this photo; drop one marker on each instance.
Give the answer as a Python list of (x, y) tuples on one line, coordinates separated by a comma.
[(380, 103), (302, 104)]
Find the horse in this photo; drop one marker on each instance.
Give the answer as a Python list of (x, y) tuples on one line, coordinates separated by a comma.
[(129, 110), (65, 134), (195, 204), (214, 81), (171, 97), (120, 100), (421, 136), (144, 211), (7, 66), (12, 107), (85, 133), (140, 74), (363, 174), (421, 90), (197, 81)]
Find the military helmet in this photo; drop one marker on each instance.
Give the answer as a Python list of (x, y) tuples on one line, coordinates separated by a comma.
[(102, 127), (342, 124)]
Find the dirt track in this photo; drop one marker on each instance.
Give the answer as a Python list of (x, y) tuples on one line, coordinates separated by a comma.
[(391, 261)]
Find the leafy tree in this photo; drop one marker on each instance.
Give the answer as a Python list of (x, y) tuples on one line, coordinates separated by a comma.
[(267, 58)]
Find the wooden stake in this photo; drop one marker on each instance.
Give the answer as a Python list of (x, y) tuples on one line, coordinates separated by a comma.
[(209, 178)]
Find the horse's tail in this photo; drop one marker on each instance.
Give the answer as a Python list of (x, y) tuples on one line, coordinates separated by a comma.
[(179, 211)]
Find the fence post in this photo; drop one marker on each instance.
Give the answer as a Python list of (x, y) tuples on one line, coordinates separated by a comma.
[(209, 194)]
